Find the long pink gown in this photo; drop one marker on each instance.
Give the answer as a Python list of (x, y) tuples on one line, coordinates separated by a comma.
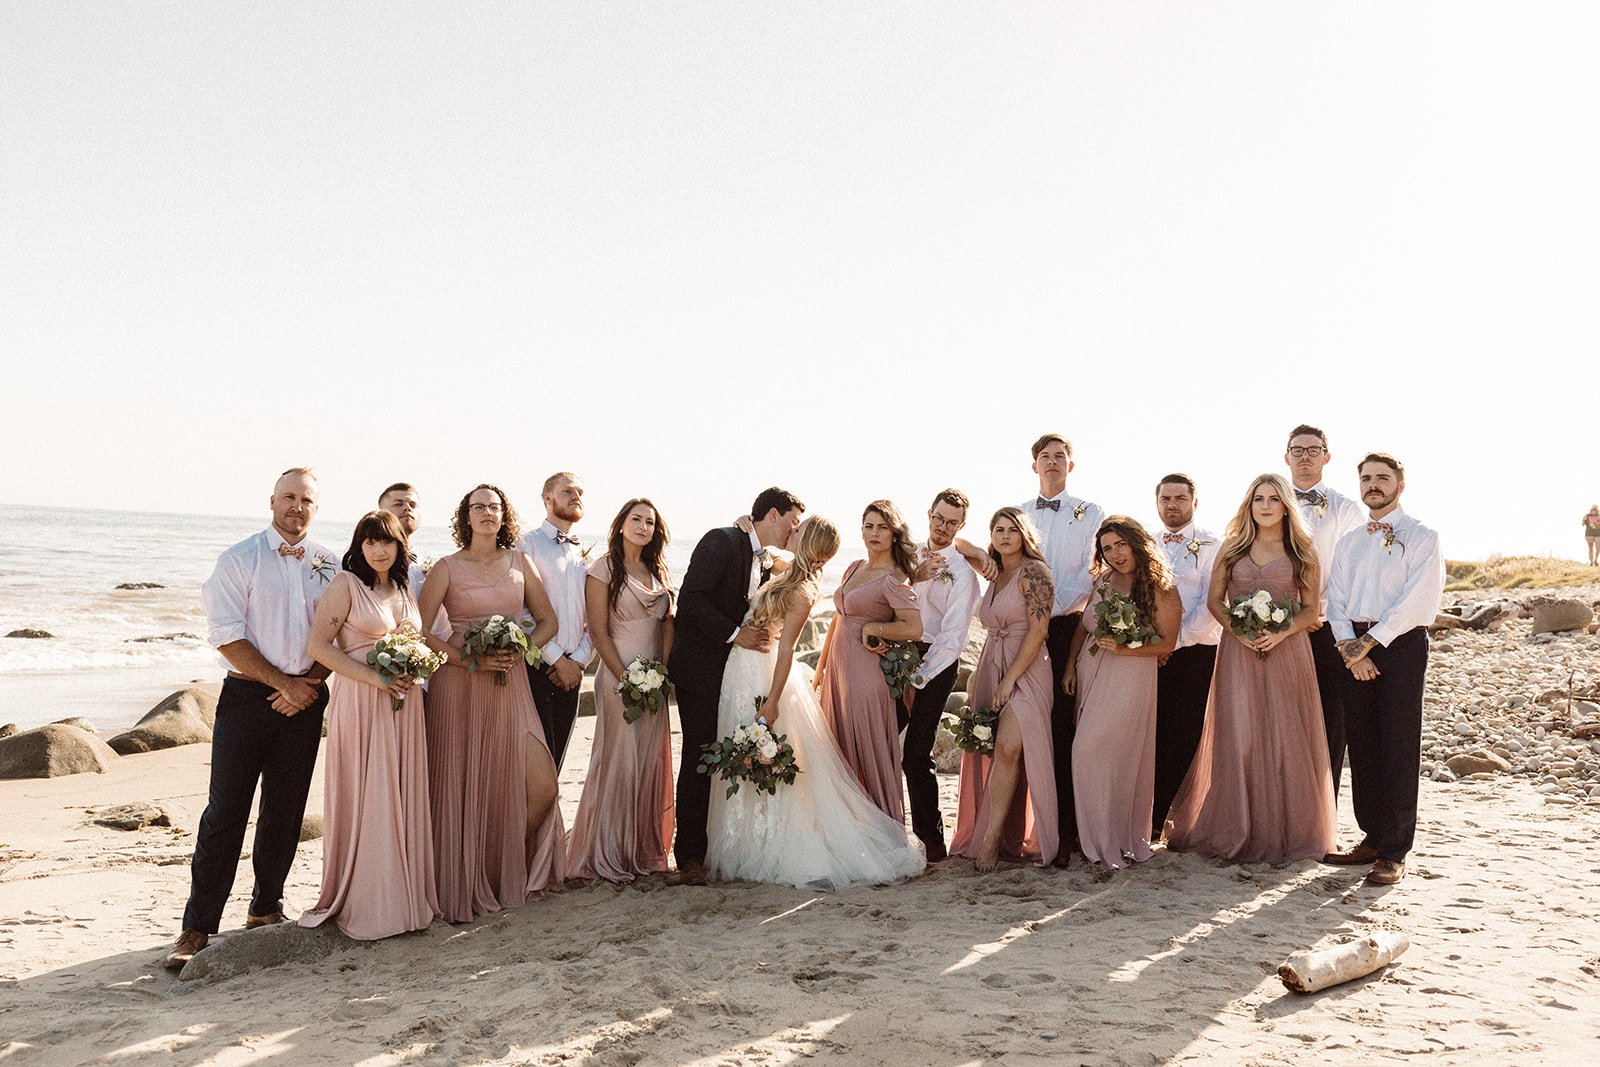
[(624, 821), (1114, 752), (478, 733), (855, 694), (377, 842), (1259, 789), (1031, 826)]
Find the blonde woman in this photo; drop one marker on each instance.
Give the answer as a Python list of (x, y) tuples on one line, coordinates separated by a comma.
[(823, 831)]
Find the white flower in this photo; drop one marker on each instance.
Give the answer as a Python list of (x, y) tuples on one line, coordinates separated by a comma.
[(982, 733), (1135, 644), (1262, 610), (1262, 597), (652, 679), (1279, 615), (768, 748), (635, 676), (740, 734)]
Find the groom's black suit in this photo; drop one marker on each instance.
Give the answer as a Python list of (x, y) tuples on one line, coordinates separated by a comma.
[(711, 608)]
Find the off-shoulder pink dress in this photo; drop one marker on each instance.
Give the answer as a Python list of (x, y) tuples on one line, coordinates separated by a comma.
[(478, 733), (1259, 789), (624, 820), (1031, 826), (377, 842), (855, 694)]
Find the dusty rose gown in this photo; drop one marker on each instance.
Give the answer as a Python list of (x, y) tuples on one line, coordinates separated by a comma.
[(855, 694), (1259, 789), (478, 733), (377, 843), (1031, 825), (1114, 752), (624, 821)]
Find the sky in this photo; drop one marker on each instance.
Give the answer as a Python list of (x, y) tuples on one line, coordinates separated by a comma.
[(855, 249)]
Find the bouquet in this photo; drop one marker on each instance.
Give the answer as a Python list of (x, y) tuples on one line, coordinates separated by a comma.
[(643, 688), (403, 654), (900, 662), (1120, 619), (495, 634), (974, 729), (752, 753), (1258, 614)]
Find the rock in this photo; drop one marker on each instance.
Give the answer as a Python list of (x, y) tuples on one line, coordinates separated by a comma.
[(132, 817), (954, 702), (810, 658), (141, 585), (8, 729), (311, 828), (943, 741), (52, 751), (32, 634), (812, 634), (163, 637), (1444, 622), (586, 702), (1557, 616), (268, 946), (184, 718), (1480, 762), (949, 762), (964, 677), (81, 723)]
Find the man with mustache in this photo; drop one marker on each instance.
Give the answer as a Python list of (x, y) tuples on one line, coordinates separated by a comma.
[(1386, 588), (558, 557)]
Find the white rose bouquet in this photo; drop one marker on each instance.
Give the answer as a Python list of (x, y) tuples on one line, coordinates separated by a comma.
[(643, 688), (403, 654), (974, 729), (1120, 619), (498, 633), (753, 754), (1251, 616)]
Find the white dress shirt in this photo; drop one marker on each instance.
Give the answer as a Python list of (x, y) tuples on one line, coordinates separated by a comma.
[(562, 569), (1397, 587), (1067, 538), (947, 608), (257, 595), (1329, 521), (441, 622), (1192, 573)]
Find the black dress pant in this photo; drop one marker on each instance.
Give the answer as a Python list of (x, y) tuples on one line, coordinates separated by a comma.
[(558, 710), (1183, 685), (1058, 642), (1383, 721), (249, 743), (697, 716), (921, 724), (1332, 676)]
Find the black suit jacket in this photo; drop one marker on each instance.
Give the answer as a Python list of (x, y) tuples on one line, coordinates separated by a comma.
[(711, 606)]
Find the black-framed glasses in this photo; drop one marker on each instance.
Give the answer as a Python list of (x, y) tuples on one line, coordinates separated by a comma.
[(1314, 451)]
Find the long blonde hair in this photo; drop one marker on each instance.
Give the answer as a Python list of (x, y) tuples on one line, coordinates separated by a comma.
[(1242, 530), (819, 542)]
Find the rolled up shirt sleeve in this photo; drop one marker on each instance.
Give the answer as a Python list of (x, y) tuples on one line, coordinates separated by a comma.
[(225, 595)]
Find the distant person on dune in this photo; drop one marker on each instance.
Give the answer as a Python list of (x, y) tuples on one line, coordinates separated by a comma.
[(1591, 534)]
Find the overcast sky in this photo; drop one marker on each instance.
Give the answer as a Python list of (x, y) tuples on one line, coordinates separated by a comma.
[(857, 249)]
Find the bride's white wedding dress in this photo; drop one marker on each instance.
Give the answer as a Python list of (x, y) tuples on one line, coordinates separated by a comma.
[(821, 832)]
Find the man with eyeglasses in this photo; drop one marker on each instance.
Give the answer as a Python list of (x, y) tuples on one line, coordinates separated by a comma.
[(1329, 515), (558, 558), (948, 599)]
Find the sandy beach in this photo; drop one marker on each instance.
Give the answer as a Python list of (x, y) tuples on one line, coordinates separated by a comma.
[(1172, 961)]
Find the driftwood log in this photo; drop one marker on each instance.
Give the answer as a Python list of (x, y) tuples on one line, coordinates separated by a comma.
[(1308, 972)]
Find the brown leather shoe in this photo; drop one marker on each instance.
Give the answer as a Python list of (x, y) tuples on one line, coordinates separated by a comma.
[(692, 873), (189, 942), (1359, 856), (1386, 872), (251, 922)]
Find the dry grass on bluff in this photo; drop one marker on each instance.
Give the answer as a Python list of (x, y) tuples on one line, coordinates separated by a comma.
[(1517, 572)]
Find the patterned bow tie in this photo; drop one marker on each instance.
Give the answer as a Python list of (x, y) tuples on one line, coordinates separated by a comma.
[(1042, 503), (1170, 538), (565, 539), (298, 551), (1374, 527), (1309, 496)]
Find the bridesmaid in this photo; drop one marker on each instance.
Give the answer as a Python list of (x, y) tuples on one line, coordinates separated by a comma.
[(377, 845), (1013, 674), (874, 604), (1113, 754), (1260, 789), (497, 829), (624, 821)]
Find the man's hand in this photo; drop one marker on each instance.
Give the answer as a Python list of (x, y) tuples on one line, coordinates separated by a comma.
[(566, 673), (1364, 670), (930, 568), (754, 638), (294, 695), (1355, 649)]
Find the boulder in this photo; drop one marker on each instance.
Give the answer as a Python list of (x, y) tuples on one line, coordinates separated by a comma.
[(311, 827), (1557, 616), (132, 817), (141, 585), (812, 634), (954, 702), (8, 729), (184, 718), (810, 658), (586, 701), (81, 723), (268, 946), (31, 633), (964, 677), (52, 751), (1481, 761)]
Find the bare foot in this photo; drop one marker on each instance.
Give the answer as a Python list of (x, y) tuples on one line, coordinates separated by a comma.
[(988, 858)]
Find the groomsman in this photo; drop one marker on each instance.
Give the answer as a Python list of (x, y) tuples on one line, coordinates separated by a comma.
[(1388, 582), (1183, 681), (948, 600), (260, 601), (1329, 516), (1067, 528), (558, 558), (400, 500)]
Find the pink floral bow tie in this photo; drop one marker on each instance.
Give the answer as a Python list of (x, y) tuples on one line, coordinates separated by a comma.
[(298, 551), (1170, 538), (1374, 527)]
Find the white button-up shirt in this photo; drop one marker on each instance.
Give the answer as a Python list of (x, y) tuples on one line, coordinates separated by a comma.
[(947, 606), (257, 595), (1067, 538), (1192, 573), (563, 571), (1396, 587), (1329, 521), (441, 622)]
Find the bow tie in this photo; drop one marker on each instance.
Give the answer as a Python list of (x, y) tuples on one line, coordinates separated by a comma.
[(298, 551), (1042, 503), (1309, 496), (565, 539), (1374, 527), (1170, 538)]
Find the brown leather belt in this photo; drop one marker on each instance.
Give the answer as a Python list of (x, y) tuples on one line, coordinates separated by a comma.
[(1362, 627)]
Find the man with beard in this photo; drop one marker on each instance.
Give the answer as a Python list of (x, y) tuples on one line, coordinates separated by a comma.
[(400, 500), (558, 558), (1387, 585)]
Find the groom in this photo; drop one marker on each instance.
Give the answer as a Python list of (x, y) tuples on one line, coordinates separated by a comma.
[(727, 568)]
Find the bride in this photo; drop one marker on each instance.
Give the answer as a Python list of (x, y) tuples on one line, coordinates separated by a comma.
[(821, 832)]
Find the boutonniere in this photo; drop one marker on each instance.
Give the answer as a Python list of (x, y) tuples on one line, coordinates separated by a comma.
[(1077, 512), (426, 564), (1389, 540), (584, 555), (1320, 508), (945, 576), (766, 561), (1194, 546), (322, 566)]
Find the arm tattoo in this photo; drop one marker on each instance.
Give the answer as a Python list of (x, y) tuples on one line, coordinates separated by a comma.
[(1037, 589)]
